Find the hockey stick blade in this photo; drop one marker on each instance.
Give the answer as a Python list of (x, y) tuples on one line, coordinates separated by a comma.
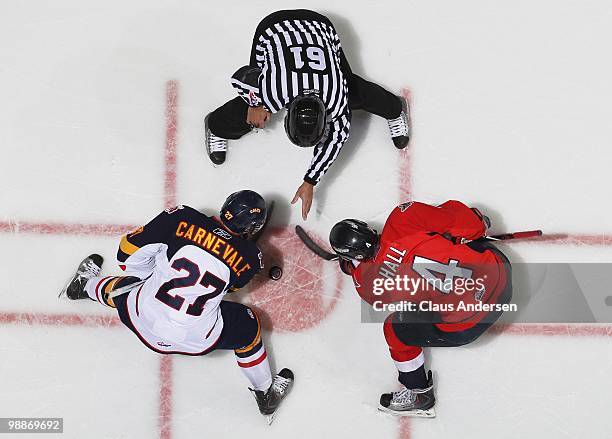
[(313, 246), (516, 235)]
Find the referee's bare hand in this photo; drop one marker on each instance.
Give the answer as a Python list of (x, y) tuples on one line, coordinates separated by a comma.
[(305, 192), (257, 116)]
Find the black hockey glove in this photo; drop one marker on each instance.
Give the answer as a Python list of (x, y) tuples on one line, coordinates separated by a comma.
[(346, 265), (485, 219)]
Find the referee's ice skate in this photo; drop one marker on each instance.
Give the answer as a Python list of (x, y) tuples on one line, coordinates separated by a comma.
[(400, 127), (216, 147)]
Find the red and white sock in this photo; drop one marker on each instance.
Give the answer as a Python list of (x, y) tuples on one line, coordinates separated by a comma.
[(409, 360), (95, 287), (255, 366)]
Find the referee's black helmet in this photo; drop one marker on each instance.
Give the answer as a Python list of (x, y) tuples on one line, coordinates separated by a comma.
[(305, 120)]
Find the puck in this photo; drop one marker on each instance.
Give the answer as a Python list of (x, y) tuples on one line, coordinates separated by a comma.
[(275, 273)]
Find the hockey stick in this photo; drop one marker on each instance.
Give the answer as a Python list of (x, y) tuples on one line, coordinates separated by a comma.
[(516, 235), (313, 246), (125, 289), (328, 256), (501, 237)]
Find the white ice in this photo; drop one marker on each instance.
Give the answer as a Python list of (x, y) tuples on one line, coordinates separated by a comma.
[(510, 112)]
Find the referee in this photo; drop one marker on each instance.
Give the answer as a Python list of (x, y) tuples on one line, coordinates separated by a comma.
[(297, 63)]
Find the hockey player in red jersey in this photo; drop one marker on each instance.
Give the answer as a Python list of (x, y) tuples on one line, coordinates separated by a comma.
[(450, 282), (177, 270)]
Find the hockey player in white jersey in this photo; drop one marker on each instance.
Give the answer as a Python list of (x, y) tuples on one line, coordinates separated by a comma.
[(178, 268)]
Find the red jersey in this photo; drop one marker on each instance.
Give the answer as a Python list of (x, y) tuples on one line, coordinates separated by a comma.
[(434, 268)]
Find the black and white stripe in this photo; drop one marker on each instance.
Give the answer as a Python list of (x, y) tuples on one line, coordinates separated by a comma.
[(297, 57)]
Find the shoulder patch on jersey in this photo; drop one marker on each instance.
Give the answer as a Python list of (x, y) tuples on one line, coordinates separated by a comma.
[(171, 210), (402, 207), (222, 233)]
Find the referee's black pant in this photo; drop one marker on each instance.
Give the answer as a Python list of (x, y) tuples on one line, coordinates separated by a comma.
[(229, 120)]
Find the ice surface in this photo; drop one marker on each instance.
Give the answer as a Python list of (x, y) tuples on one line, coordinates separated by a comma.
[(510, 112)]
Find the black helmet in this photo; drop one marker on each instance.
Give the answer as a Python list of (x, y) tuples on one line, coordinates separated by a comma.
[(353, 239), (305, 120), (244, 212)]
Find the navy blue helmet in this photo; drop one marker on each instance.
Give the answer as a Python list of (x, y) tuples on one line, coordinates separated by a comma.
[(244, 212)]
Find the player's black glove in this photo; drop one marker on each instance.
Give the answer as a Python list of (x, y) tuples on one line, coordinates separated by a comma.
[(346, 266), (485, 219)]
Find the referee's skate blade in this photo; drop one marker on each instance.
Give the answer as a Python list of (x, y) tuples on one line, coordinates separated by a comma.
[(430, 413)]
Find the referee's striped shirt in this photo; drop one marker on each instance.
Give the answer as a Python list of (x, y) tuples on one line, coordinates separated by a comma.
[(299, 57)]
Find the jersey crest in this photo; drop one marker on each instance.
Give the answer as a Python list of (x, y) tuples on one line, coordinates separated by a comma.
[(171, 210)]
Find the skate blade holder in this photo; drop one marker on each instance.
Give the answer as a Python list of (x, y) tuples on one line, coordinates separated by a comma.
[(429, 413)]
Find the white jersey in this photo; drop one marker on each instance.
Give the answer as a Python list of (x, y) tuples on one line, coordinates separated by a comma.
[(190, 262)]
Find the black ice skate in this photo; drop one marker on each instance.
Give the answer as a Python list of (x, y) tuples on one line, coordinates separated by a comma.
[(216, 147), (270, 400), (88, 268), (410, 402), (400, 127)]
